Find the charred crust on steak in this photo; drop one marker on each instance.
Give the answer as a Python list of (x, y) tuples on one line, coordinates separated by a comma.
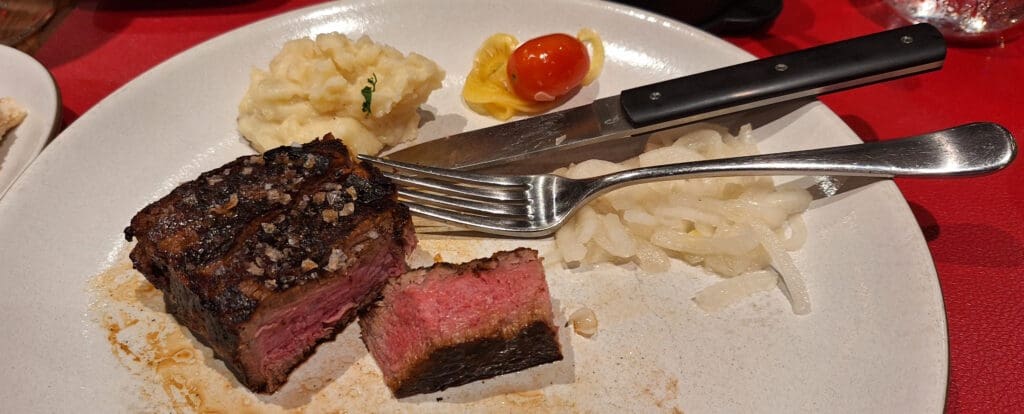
[(245, 237), (463, 363), (271, 195)]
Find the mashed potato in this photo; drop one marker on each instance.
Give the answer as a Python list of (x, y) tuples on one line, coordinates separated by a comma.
[(738, 227), (315, 86)]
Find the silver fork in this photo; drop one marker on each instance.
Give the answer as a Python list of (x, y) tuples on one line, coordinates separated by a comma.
[(537, 205)]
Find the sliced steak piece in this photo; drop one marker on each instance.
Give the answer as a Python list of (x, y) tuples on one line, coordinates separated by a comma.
[(269, 255), (449, 325)]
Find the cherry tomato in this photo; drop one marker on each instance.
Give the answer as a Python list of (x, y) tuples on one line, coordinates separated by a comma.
[(547, 67)]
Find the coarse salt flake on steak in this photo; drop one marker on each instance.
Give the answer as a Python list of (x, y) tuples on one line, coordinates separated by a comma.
[(449, 325), (269, 255)]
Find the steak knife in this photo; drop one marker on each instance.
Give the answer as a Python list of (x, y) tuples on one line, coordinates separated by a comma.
[(517, 147)]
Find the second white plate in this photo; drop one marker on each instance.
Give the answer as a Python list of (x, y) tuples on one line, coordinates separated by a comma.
[(30, 84)]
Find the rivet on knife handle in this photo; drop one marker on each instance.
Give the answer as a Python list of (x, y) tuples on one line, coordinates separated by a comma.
[(810, 72)]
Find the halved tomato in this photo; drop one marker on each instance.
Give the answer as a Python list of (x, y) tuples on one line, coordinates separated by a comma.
[(544, 68)]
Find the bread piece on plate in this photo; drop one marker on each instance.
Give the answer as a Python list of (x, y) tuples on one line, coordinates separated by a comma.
[(11, 114)]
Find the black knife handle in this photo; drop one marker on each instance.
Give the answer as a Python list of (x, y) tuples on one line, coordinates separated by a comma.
[(809, 72)]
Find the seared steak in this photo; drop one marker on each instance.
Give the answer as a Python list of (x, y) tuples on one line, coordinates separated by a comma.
[(449, 325), (269, 255)]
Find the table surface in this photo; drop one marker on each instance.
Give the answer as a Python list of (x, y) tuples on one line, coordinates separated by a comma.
[(973, 226)]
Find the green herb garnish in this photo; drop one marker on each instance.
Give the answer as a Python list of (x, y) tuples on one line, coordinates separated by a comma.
[(368, 93)]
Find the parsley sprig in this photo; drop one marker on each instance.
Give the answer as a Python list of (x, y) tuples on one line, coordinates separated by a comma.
[(368, 93)]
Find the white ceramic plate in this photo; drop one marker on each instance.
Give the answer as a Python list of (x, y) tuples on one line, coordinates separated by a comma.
[(875, 341), (30, 84)]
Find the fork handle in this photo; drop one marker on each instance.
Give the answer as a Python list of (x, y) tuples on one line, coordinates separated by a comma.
[(970, 149), (809, 72)]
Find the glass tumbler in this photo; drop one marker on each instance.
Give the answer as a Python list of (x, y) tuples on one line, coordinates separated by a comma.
[(978, 22)]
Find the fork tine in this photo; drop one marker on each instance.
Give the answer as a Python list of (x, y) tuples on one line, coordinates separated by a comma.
[(448, 187), (505, 226), (498, 204), (465, 205), (446, 174)]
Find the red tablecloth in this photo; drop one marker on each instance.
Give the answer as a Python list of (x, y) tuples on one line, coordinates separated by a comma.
[(973, 227)]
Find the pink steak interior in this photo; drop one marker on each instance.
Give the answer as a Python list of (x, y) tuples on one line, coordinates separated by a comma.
[(282, 336), (447, 304)]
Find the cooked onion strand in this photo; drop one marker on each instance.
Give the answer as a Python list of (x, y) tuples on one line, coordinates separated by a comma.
[(733, 226)]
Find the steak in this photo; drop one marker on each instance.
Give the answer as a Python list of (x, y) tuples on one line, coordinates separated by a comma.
[(449, 325), (269, 255)]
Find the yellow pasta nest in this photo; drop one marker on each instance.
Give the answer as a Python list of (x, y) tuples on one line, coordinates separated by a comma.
[(487, 90)]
